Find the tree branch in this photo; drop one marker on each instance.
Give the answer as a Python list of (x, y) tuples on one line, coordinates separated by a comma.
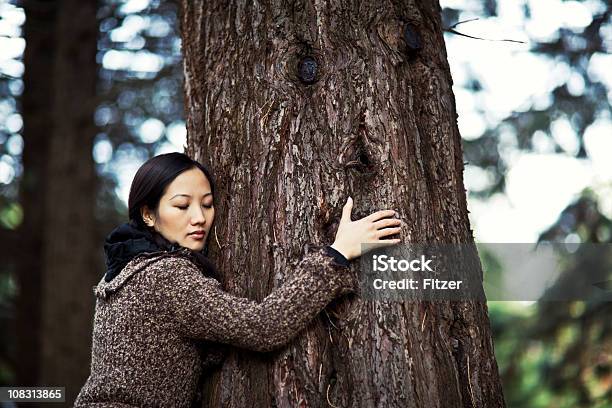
[(450, 30)]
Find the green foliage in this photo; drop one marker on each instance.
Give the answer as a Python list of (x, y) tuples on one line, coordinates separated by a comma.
[(563, 362), (492, 272), (11, 216)]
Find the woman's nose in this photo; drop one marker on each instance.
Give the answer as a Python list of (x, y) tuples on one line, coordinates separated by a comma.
[(199, 217)]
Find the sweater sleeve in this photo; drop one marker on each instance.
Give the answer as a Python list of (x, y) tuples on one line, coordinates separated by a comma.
[(338, 257), (202, 310)]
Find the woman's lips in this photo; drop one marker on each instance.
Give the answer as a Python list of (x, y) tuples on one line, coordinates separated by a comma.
[(197, 235)]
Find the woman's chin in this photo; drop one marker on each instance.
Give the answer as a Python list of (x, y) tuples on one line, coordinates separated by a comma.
[(194, 246)]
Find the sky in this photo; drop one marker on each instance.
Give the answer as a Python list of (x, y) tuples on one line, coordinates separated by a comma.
[(540, 184)]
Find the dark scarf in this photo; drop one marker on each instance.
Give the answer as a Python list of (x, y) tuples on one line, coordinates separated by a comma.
[(129, 240)]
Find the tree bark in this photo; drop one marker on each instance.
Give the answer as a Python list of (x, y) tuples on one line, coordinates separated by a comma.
[(59, 195), (295, 106)]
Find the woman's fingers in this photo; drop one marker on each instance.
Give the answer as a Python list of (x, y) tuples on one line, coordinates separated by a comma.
[(388, 231), (388, 242), (346, 210), (387, 222), (380, 214)]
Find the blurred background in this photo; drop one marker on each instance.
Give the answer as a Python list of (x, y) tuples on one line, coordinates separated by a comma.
[(534, 114)]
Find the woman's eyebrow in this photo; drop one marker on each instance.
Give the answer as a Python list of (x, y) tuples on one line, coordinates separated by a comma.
[(188, 196)]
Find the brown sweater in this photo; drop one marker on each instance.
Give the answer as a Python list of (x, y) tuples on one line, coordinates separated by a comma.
[(151, 319)]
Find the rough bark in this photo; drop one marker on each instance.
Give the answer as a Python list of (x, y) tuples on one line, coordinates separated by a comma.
[(58, 195), (288, 142)]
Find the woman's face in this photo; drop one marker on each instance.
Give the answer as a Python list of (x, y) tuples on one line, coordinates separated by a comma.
[(186, 207)]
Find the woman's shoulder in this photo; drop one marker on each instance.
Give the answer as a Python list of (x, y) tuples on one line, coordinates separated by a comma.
[(150, 268), (178, 260)]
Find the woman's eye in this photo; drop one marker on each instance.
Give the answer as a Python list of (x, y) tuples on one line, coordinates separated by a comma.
[(186, 206)]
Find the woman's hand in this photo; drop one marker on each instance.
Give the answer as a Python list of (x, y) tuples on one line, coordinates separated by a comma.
[(368, 230)]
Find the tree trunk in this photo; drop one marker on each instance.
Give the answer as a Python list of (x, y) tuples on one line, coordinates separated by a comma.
[(39, 54), (295, 106), (61, 131)]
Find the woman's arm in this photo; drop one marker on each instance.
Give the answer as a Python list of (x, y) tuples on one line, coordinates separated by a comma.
[(202, 310)]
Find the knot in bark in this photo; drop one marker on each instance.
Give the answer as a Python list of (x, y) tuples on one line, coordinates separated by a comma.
[(307, 70), (413, 39)]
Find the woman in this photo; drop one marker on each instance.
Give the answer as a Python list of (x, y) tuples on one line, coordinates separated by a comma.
[(161, 315)]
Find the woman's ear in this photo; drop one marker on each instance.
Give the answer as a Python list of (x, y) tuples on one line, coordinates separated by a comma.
[(147, 216)]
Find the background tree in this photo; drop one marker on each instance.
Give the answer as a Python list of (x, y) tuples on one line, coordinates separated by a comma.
[(29, 237), (57, 247), (296, 106), (75, 102)]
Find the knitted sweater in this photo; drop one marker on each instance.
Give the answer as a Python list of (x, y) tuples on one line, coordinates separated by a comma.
[(151, 319)]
